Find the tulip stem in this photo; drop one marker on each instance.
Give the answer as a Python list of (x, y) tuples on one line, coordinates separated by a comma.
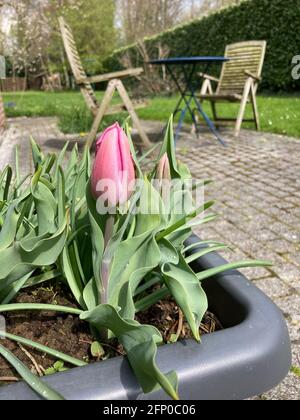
[(109, 230)]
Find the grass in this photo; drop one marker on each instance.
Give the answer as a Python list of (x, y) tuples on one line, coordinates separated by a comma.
[(280, 114), (296, 371)]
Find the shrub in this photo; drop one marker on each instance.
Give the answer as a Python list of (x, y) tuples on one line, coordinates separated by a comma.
[(275, 21)]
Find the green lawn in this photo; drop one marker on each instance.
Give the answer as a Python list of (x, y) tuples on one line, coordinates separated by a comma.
[(279, 114)]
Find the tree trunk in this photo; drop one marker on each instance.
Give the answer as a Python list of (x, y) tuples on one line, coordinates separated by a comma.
[(2, 115)]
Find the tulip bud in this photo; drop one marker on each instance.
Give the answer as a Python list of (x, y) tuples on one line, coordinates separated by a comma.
[(163, 169), (163, 179), (113, 172)]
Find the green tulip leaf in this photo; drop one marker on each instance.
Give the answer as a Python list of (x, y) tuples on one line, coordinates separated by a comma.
[(129, 269), (5, 183), (91, 295), (32, 380), (37, 154), (168, 147), (140, 343), (45, 204), (184, 286), (168, 252), (151, 210), (73, 282)]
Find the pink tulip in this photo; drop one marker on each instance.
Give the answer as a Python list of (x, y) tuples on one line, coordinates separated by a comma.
[(163, 178), (113, 173), (163, 169)]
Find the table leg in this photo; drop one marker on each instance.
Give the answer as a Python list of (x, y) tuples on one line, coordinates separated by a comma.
[(181, 120), (183, 93), (208, 121)]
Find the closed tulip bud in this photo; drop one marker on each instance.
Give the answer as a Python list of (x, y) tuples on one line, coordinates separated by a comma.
[(163, 169), (113, 173), (163, 179)]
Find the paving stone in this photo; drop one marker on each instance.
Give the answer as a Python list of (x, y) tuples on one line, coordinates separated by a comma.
[(285, 205), (273, 287), (281, 246), (287, 390), (289, 273), (256, 273), (284, 230), (264, 235), (295, 258), (290, 307), (290, 219)]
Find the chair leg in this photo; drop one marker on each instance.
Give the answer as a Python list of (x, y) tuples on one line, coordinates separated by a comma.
[(111, 88), (214, 110), (130, 108), (242, 108), (255, 108), (215, 114), (206, 87)]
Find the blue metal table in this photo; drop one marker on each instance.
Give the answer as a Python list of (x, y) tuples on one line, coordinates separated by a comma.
[(188, 95)]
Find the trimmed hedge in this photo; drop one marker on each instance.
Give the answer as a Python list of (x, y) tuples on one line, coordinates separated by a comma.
[(276, 21)]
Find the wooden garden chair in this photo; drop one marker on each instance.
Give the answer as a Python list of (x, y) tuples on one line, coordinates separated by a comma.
[(2, 115), (239, 81), (114, 85)]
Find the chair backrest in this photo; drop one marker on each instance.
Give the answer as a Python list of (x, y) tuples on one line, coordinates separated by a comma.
[(244, 56), (2, 115), (76, 65)]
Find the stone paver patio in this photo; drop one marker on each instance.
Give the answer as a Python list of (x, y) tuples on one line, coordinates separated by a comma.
[(257, 192)]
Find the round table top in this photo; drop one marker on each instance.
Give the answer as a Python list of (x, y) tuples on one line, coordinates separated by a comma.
[(189, 60)]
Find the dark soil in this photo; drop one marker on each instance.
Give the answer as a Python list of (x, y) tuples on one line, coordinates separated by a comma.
[(66, 333), (168, 318)]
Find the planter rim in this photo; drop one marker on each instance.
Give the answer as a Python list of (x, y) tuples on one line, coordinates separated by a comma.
[(248, 358)]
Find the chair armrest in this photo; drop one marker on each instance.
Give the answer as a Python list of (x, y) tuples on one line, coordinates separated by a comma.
[(109, 76), (207, 76), (253, 76)]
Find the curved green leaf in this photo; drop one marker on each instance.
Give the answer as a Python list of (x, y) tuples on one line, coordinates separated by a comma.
[(233, 266), (91, 295), (73, 282), (140, 343), (37, 154), (150, 300), (168, 147), (14, 307), (7, 295), (32, 380), (168, 252), (203, 252), (151, 212), (184, 286), (45, 204), (44, 349), (183, 221), (122, 288)]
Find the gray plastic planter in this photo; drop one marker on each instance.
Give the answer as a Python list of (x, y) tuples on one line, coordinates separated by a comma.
[(251, 356)]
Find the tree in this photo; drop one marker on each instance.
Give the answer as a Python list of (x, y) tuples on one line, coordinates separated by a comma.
[(141, 18), (94, 29), (204, 7), (34, 40), (5, 6), (93, 24)]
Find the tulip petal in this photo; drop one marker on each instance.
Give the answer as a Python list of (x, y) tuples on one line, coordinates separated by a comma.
[(113, 171)]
